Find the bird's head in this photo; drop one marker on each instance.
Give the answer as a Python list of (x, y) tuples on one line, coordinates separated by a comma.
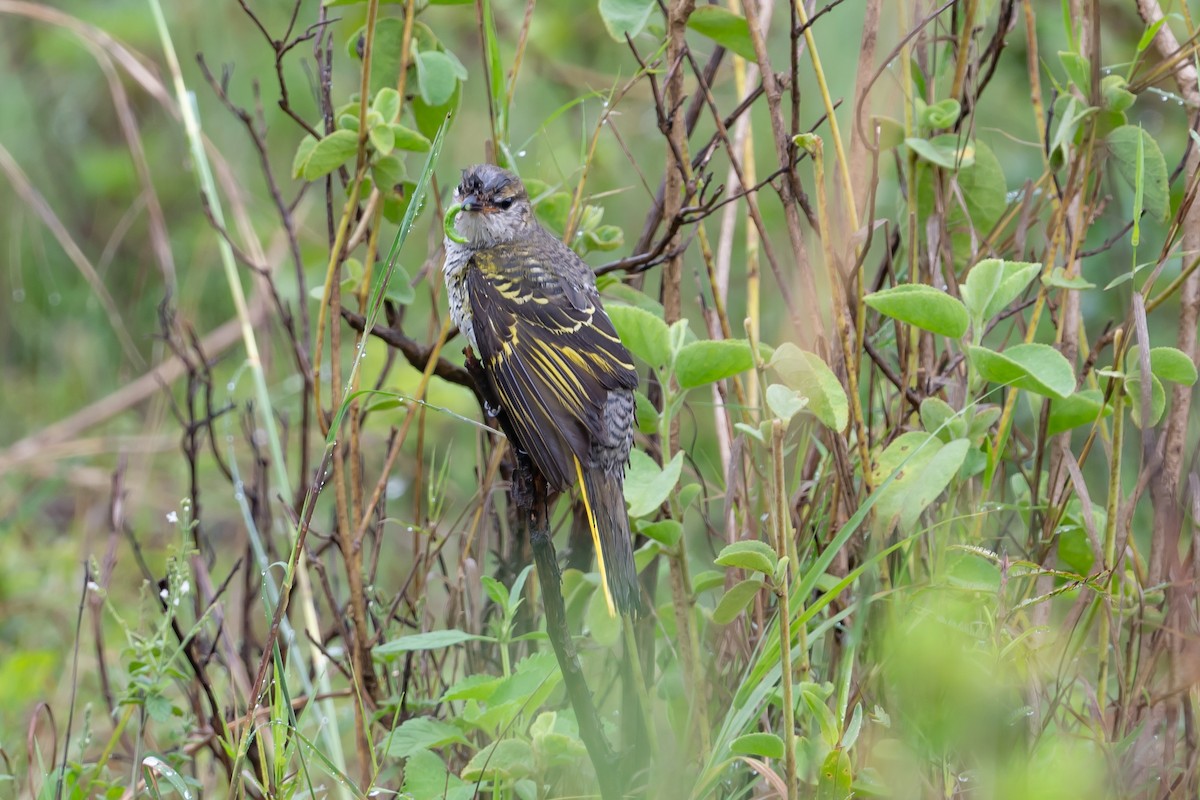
[(493, 206)]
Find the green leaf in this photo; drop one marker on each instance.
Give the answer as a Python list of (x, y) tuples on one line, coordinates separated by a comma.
[(645, 413), (408, 139), (666, 531), (387, 104), (992, 284), (735, 601), (383, 139), (155, 768), (1117, 99), (425, 775), (923, 466), (784, 402), (708, 579), (815, 701), (437, 77), (974, 207), (749, 554), (388, 173), (724, 27), (421, 733), (809, 375), (1080, 408), (767, 745), (1168, 364), (940, 115), (710, 360), (1124, 145), (938, 418), (626, 17), (646, 335), (835, 781), (1078, 69), (330, 153), (472, 687), (386, 48), (922, 306), (1149, 34), (1037, 368), (429, 118), (399, 288), (303, 151), (948, 150), (647, 486), (1057, 279), (505, 760), (433, 640), (604, 238), (1158, 401), (533, 680), (605, 628)]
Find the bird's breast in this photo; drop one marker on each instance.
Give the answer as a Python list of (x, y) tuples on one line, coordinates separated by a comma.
[(454, 270)]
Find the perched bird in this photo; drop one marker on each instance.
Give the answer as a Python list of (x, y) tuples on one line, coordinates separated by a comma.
[(529, 307)]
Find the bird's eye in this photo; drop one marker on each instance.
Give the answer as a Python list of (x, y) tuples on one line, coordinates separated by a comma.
[(505, 203)]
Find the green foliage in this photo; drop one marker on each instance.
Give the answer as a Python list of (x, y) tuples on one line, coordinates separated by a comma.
[(858, 534)]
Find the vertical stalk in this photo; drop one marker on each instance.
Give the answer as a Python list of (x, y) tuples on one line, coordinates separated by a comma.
[(780, 528)]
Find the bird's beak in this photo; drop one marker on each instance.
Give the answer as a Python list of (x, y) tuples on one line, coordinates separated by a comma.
[(471, 203)]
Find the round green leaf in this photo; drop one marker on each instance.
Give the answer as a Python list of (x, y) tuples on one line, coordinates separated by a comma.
[(923, 468), (993, 284), (1172, 365), (505, 760), (749, 554), (432, 640), (948, 150), (665, 531), (923, 306), (724, 27), (408, 139), (711, 360), (330, 153), (735, 601), (421, 733), (647, 486), (1158, 401), (785, 403), (303, 151), (809, 375), (1123, 145), (975, 202), (766, 745), (436, 77), (1080, 408), (1037, 368), (626, 17), (646, 335), (1057, 279)]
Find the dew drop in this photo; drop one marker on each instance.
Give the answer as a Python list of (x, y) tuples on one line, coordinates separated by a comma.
[(520, 154)]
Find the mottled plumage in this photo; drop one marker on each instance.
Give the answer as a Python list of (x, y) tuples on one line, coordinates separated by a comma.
[(528, 305)]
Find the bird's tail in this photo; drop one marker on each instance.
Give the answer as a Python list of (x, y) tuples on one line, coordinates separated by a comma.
[(604, 505)]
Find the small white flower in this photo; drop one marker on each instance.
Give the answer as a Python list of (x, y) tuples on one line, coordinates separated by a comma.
[(92, 586), (172, 517), (185, 587), (163, 594)]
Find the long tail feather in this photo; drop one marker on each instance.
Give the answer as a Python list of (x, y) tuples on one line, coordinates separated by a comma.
[(604, 505)]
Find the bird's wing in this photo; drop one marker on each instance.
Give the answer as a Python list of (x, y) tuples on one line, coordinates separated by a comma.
[(552, 355)]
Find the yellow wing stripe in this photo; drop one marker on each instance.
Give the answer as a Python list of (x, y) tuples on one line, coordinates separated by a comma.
[(587, 507)]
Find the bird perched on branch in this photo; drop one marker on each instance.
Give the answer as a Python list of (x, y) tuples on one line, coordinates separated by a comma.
[(529, 307)]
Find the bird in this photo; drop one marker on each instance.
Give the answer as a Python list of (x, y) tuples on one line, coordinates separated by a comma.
[(529, 307)]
